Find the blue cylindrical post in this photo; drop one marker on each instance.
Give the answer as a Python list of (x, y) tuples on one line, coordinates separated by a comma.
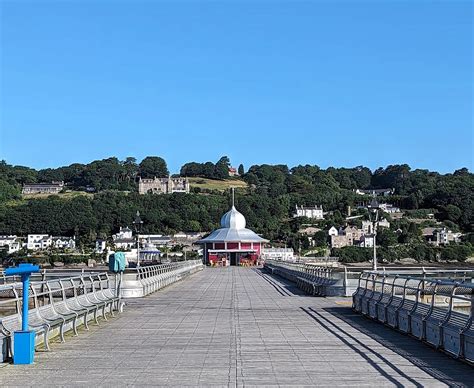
[(26, 285)]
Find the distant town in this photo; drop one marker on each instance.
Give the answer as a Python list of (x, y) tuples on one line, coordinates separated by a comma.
[(301, 212)]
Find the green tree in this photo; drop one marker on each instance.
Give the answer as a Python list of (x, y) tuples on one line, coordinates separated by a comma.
[(386, 237), (8, 191), (153, 166), (222, 168), (241, 170)]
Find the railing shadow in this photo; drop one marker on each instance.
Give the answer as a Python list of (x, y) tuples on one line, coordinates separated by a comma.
[(281, 285), (431, 361)]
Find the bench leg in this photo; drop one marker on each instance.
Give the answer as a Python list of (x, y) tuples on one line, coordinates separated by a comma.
[(103, 313), (85, 321), (46, 341), (9, 347), (74, 326), (95, 316), (112, 309), (61, 332)]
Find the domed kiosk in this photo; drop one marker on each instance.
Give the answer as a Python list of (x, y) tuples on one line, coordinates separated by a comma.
[(232, 243)]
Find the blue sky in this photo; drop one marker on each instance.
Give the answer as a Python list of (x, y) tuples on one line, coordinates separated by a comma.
[(330, 83)]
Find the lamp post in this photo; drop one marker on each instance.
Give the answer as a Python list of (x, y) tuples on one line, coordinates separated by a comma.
[(374, 210), (137, 223)]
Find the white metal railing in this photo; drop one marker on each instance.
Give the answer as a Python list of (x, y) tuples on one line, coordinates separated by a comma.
[(439, 312)]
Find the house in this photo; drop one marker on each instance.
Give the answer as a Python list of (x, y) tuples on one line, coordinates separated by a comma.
[(124, 243), (7, 239), (366, 241), (10, 242), (284, 254), (347, 236), (163, 185), (441, 236), (61, 242), (340, 241), (447, 236), (383, 223), (193, 236), (124, 238), (100, 246), (233, 171), (388, 208), (39, 241), (309, 230), (367, 227), (314, 212), (43, 188), (161, 241), (375, 192), (123, 233)]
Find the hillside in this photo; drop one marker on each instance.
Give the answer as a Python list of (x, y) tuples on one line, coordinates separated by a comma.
[(215, 184)]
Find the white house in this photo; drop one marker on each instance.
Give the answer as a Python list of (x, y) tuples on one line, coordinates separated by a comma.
[(124, 238), (314, 212), (100, 246), (123, 233), (375, 192), (445, 236), (39, 241), (367, 227), (333, 231), (61, 242), (388, 208), (10, 242), (367, 241), (7, 239), (284, 254)]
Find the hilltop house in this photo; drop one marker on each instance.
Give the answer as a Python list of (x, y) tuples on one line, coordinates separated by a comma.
[(43, 188), (163, 185), (314, 212), (375, 192), (233, 171)]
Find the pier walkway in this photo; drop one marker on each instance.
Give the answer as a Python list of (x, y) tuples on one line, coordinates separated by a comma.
[(234, 327)]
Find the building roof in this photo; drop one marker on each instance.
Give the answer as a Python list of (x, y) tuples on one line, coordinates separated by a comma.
[(232, 230), (315, 207), (124, 240)]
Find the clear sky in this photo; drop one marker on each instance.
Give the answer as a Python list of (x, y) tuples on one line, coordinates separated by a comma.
[(330, 83)]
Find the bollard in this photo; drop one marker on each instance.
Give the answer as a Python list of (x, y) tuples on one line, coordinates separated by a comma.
[(24, 340)]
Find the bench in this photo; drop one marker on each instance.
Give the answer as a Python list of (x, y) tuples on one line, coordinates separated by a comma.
[(56, 304)]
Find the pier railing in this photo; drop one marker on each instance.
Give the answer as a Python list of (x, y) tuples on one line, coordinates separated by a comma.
[(141, 281), (56, 307), (313, 279), (439, 312)]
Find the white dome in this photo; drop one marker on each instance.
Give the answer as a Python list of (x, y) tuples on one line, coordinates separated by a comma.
[(233, 219)]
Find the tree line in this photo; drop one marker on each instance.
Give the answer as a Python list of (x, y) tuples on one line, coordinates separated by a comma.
[(272, 193)]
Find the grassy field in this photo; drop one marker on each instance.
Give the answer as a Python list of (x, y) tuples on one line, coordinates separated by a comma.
[(66, 195), (213, 184)]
